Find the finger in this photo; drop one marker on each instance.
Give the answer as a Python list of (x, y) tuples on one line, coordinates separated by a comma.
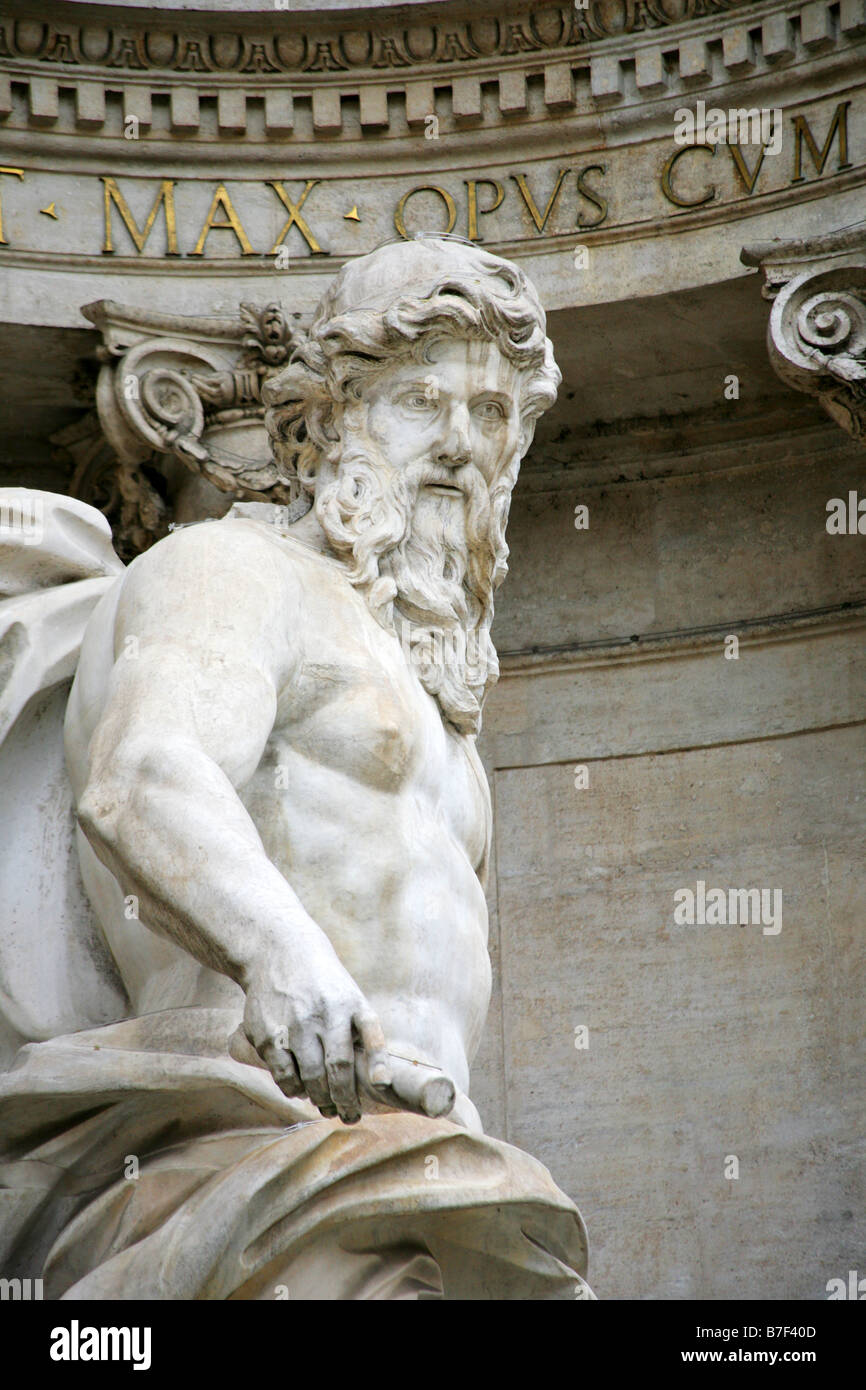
[(311, 1065), (281, 1065), (372, 1039), (380, 1095), (340, 1071)]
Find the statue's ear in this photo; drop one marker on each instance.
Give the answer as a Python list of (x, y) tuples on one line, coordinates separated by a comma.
[(527, 432)]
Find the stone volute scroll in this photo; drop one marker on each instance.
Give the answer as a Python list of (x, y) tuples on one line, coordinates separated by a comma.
[(816, 335), (178, 431)]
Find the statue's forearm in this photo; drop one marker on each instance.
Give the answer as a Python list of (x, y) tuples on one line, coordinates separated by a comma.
[(166, 819), (170, 826)]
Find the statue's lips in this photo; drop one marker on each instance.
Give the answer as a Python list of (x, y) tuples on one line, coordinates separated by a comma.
[(445, 489)]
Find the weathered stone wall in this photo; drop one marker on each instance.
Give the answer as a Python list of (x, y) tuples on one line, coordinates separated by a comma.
[(704, 1042)]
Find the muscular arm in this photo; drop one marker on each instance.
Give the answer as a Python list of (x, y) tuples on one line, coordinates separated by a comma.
[(204, 645)]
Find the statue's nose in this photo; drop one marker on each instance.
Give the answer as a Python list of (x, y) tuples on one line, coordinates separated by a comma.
[(455, 448)]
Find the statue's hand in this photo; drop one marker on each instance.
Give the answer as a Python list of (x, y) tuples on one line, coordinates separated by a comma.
[(305, 1016)]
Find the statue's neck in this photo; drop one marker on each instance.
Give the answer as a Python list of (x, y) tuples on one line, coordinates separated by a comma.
[(309, 532)]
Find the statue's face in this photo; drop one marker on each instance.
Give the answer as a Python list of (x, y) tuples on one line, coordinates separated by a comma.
[(459, 408), (414, 497)]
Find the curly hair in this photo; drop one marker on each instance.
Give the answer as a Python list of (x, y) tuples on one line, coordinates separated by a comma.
[(477, 295)]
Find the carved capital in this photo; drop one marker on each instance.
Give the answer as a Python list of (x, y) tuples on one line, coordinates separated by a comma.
[(173, 387), (817, 331), (191, 387)]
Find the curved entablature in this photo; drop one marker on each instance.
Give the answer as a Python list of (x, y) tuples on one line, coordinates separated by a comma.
[(271, 141), (296, 77)]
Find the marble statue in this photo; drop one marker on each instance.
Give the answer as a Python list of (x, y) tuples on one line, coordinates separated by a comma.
[(237, 1065)]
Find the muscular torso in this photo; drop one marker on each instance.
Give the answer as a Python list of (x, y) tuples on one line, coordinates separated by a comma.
[(374, 810)]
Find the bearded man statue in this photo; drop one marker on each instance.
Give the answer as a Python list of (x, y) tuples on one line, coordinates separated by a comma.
[(283, 834)]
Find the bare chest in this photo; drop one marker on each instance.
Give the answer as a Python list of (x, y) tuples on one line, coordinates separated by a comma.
[(356, 718)]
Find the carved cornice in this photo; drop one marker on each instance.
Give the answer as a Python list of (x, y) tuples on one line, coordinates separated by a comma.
[(324, 43), (476, 68), (817, 331)]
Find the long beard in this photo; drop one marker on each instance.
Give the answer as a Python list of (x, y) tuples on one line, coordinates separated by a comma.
[(426, 565)]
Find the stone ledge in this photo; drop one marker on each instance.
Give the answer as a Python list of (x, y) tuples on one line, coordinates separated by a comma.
[(815, 623)]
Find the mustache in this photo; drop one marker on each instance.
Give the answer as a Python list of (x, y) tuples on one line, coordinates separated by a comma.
[(466, 477), (427, 472)]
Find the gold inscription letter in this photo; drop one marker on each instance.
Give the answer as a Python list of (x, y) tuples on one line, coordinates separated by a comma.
[(819, 158), (232, 223), (425, 188), (749, 177), (597, 199), (667, 172), (540, 219), (472, 187), (165, 195), (295, 218), (19, 174)]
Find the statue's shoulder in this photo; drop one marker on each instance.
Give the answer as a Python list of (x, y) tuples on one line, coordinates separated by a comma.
[(238, 550), (285, 548), (234, 565)]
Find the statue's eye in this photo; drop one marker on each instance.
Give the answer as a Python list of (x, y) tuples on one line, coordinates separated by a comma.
[(490, 410), (418, 401)]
